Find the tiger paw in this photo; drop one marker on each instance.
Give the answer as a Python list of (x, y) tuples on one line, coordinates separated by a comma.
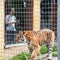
[(49, 59)]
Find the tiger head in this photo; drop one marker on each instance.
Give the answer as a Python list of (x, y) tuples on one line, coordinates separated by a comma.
[(21, 34)]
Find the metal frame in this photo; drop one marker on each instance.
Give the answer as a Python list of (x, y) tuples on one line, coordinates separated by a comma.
[(58, 29)]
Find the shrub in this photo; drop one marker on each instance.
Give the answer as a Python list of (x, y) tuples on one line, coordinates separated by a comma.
[(44, 49), (22, 56), (54, 54), (55, 48)]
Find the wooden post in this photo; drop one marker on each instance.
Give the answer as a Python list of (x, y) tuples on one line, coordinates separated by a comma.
[(36, 15), (1, 28)]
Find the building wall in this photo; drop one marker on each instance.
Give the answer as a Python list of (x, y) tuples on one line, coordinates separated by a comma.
[(1, 29)]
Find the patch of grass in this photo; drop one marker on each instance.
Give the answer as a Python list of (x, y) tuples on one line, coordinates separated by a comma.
[(54, 48), (22, 56), (55, 54), (26, 56), (44, 49)]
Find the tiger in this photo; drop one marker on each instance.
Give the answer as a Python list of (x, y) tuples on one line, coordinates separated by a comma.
[(37, 39)]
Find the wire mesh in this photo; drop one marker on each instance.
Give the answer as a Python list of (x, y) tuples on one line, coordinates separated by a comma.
[(49, 14), (23, 14), (23, 21)]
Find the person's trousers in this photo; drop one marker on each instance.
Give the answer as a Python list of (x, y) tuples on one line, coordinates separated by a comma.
[(10, 37)]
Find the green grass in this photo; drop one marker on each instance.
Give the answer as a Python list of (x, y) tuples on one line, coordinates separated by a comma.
[(55, 54), (54, 48), (44, 49), (22, 56)]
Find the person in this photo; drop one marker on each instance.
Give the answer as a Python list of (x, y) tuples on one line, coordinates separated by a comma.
[(10, 26)]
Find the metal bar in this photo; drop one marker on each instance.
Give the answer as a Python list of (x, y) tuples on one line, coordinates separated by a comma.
[(58, 29)]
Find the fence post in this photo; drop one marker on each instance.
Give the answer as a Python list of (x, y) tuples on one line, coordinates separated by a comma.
[(58, 29), (36, 15), (1, 28)]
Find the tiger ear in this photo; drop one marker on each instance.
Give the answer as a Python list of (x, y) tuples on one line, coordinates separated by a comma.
[(24, 32)]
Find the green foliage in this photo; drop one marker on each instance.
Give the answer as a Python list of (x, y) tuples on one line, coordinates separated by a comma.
[(55, 54), (44, 49), (22, 56), (55, 48)]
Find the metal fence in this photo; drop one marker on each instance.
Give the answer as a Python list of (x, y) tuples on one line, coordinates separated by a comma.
[(20, 12), (49, 14), (23, 14)]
